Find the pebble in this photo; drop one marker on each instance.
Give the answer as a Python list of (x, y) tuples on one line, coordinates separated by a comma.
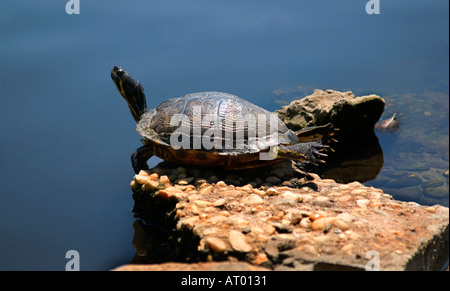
[(272, 192), (322, 223), (169, 192), (406, 181), (305, 223), (432, 184), (341, 225), (252, 199), (164, 180), (273, 180), (216, 244), (150, 185), (238, 243), (221, 184), (291, 196), (437, 192), (212, 179), (141, 179), (207, 190), (219, 202), (358, 192), (431, 209), (134, 185), (363, 203)]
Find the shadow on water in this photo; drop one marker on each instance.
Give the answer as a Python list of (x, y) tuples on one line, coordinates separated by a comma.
[(355, 158)]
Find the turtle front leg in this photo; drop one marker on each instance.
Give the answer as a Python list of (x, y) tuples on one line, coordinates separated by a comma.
[(140, 157), (304, 152)]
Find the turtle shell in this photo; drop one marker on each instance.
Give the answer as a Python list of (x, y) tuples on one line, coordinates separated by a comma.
[(223, 118)]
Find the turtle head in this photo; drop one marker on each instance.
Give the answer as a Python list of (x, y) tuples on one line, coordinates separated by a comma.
[(131, 90)]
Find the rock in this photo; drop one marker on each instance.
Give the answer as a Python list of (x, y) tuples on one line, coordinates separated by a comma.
[(407, 181), (436, 192), (216, 244), (273, 180), (343, 109), (252, 199), (221, 184), (207, 222), (388, 125), (272, 192), (432, 184), (164, 180), (322, 223), (238, 243)]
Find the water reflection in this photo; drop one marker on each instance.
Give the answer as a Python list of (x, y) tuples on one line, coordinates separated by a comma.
[(355, 158)]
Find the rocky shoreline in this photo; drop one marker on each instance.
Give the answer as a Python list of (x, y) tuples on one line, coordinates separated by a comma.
[(304, 223), (281, 217)]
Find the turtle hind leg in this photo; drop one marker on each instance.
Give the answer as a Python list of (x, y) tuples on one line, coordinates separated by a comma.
[(311, 152), (140, 157)]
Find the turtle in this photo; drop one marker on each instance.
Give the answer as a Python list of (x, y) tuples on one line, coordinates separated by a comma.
[(216, 129)]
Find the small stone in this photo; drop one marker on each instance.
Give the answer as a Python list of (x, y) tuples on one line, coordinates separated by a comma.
[(150, 185), (140, 179), (169, 192), (219, 202), (252, 199), (260, 259), (358, 192), (437, 193), (153, 176), (282, 228), (363, 203), (202, 203), (273, 180), (212, 179), (194, 208), (313, 217), (272, 192), (238, 243), (322, 223), (322, 199), (305, 223), (291, 196), (164, 180), (341, 225), (345, 198), (216, 244), (200, 182), (144, 173), (207, 190), (221, 184), (345, 217), (431, 209), (134, 185), (432, 184)]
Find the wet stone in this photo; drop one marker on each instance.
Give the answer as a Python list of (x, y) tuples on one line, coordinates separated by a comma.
[(408, 181), (437, 192), (432, 184)]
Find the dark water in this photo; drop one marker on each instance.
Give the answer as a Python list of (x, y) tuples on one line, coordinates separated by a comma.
[(66, 134)]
